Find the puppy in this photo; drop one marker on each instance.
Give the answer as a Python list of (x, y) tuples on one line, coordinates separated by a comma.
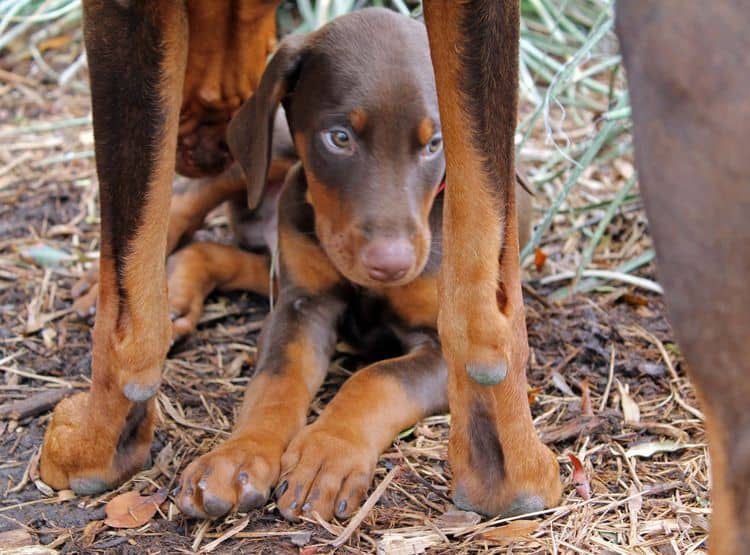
[(359, 245)]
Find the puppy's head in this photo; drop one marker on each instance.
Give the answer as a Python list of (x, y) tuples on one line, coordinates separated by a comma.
[(360, 100)]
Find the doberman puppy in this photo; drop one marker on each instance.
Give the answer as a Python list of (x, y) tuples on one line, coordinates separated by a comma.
[(690, 120), (359, 226)]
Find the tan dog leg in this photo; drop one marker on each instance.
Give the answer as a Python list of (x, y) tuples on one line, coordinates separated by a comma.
[(329, 465), (96, 440), (196, 270), (689, 76), (499, 464), (294, 353)]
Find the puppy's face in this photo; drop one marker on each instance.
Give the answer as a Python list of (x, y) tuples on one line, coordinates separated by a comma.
[(365, 122)]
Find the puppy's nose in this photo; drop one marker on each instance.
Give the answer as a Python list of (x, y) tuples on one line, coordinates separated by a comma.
[(388, 259)]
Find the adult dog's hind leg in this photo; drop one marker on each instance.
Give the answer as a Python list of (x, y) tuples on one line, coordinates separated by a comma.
[(136, 54), (689, 76), (499, 465)]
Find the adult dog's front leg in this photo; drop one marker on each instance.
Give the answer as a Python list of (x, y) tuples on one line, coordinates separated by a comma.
[(499, 464), (136, 55), (295, 350), (328, 467)]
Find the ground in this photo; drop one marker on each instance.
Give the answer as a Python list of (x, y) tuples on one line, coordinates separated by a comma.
[(596, 357)]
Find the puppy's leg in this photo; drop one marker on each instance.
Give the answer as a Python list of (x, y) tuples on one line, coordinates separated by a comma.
[(196, 270), (136, 56), (192, 201), (691, 125), (295, 350), (328, 467), (499, 465)]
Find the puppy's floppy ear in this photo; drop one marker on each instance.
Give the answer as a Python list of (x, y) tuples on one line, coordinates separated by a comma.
[(250, 132)]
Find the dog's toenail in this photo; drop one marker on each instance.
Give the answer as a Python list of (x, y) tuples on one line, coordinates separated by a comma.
[(306, 507), (281, 490), (243, 477), (341, 508)]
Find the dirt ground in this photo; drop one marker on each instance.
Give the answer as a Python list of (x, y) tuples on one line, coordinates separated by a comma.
[(612, 345)]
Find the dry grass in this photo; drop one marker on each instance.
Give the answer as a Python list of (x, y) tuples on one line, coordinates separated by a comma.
[(612, 342)]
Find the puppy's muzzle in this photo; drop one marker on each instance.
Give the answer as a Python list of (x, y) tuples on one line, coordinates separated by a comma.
[(388, 259)]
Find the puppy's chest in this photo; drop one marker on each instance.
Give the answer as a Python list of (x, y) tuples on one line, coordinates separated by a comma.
[(374, 320)]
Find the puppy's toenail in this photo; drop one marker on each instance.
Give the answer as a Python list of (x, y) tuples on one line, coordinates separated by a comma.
[(243, 477), (341, 509), (215, 506), (281, 490), (306, 507)]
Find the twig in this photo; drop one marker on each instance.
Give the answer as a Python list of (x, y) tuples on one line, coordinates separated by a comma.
[(607, 389), (366, 508)]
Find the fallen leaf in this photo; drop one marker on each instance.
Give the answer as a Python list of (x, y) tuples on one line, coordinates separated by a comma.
[(394, 543), (630, 409), (46, 256), (539, 259), (18, 537), (561, 384), (131, 510), (532, 393), (164, 459), (650, 448), (510, 531), (44, 489), (90, 531), (301, 539), (580, 480), (633, 300), (457, 519), (586, 408), (65, 495)]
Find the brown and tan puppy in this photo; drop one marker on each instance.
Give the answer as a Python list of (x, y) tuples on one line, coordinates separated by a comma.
[(359, 224)]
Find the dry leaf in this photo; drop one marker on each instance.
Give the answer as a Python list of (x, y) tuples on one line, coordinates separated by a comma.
[(650, 448), (90, 531), (457, 519), (630, 409), (532, 393), (586, 408), (131, 510), (633, 300), (18, 537), (580, 480), (511, 531), (539, 259), (561, 384)]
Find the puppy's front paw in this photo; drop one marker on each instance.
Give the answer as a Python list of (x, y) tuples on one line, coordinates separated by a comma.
[(325, 470), (236, 475)]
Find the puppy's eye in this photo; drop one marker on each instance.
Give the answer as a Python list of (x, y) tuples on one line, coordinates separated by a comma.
[(434, 146), (338, 140)]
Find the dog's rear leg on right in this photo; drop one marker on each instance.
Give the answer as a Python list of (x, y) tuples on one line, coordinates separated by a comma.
[(499, 465), (689, 76)]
